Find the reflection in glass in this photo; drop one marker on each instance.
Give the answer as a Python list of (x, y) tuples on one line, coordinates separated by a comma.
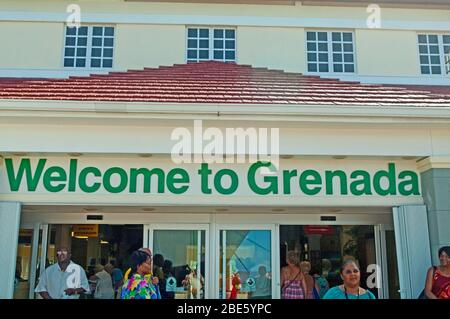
[(245, 264), (182, 272)]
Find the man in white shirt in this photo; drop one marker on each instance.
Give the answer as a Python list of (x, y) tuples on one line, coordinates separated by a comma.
[(63, 280)]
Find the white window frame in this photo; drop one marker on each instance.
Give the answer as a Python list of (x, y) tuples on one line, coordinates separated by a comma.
[(211, 43), (330, 53), (444, 72), (89, 48)]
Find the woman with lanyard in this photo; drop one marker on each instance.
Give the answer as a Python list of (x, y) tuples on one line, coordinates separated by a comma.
[(350, 289)]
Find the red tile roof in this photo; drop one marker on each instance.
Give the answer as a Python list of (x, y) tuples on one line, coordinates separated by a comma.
[(217, 82)]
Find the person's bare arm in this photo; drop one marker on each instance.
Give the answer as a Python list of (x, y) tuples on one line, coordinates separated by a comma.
[(45, 295), (283, 276), (429, 284), (74, 291), (304, 287)]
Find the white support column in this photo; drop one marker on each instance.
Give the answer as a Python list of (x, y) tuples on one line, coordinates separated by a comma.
[(9, 235), (412, 242)]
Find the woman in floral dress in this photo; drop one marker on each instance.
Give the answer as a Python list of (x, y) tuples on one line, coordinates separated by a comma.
[(141, 284)]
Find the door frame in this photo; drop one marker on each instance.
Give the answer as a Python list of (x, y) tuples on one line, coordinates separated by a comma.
[(149, 230)]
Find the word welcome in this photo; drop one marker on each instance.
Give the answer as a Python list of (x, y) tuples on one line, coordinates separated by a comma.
[(91, 179)]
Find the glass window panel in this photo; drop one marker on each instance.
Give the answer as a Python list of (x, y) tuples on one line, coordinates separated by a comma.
[(108, 42), (337, 57), (323, 57), (323, 67), (81, 52), (203, 54), (109, 31), (218, 44), (108, 53), (97, 31), (312, 57), (192, 54), (245, 264), (229, 34), (446, 49), (204, 44), (446, 39), (348, 57), (69, 52), (71, 31), (218, 33), (311, 46), (336, 36), (347, 36), (179, 258), (218, 55), (423, 49), (433, 39), (68, 62), (70, 41), (192, 43), (425, 69), (434, 49), (229, 55), (422, 38), (311, 36), (81, 63), (229, 44), (97, 42), (337, 47), (95, 63), (436, 69), (83, 31), (348, 47), (96, 52), (322, 36), (82, 41), (107, 63), (312, 67), (323, 47), (192, 33), (204, 33), (350, 68), (424, 59), (337, 67), (434, 59)]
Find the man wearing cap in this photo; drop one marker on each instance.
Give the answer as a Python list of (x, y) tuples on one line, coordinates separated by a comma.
[(63, 280)]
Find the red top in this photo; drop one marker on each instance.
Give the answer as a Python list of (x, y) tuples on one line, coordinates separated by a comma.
[(441, 285)]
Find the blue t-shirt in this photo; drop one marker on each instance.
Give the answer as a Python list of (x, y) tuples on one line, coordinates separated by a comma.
[(338, 293), (116, 275)]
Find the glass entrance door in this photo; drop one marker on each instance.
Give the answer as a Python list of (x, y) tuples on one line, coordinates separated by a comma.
[(323, 248), (180, 260), (245, 263), (31, 248)]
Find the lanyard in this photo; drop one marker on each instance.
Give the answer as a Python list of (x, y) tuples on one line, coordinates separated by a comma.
[(346, 295)]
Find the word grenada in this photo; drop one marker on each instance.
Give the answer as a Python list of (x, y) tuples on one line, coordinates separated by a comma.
[(226, 181)]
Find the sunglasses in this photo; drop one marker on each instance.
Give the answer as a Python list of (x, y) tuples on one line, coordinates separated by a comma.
[(62, 252)]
